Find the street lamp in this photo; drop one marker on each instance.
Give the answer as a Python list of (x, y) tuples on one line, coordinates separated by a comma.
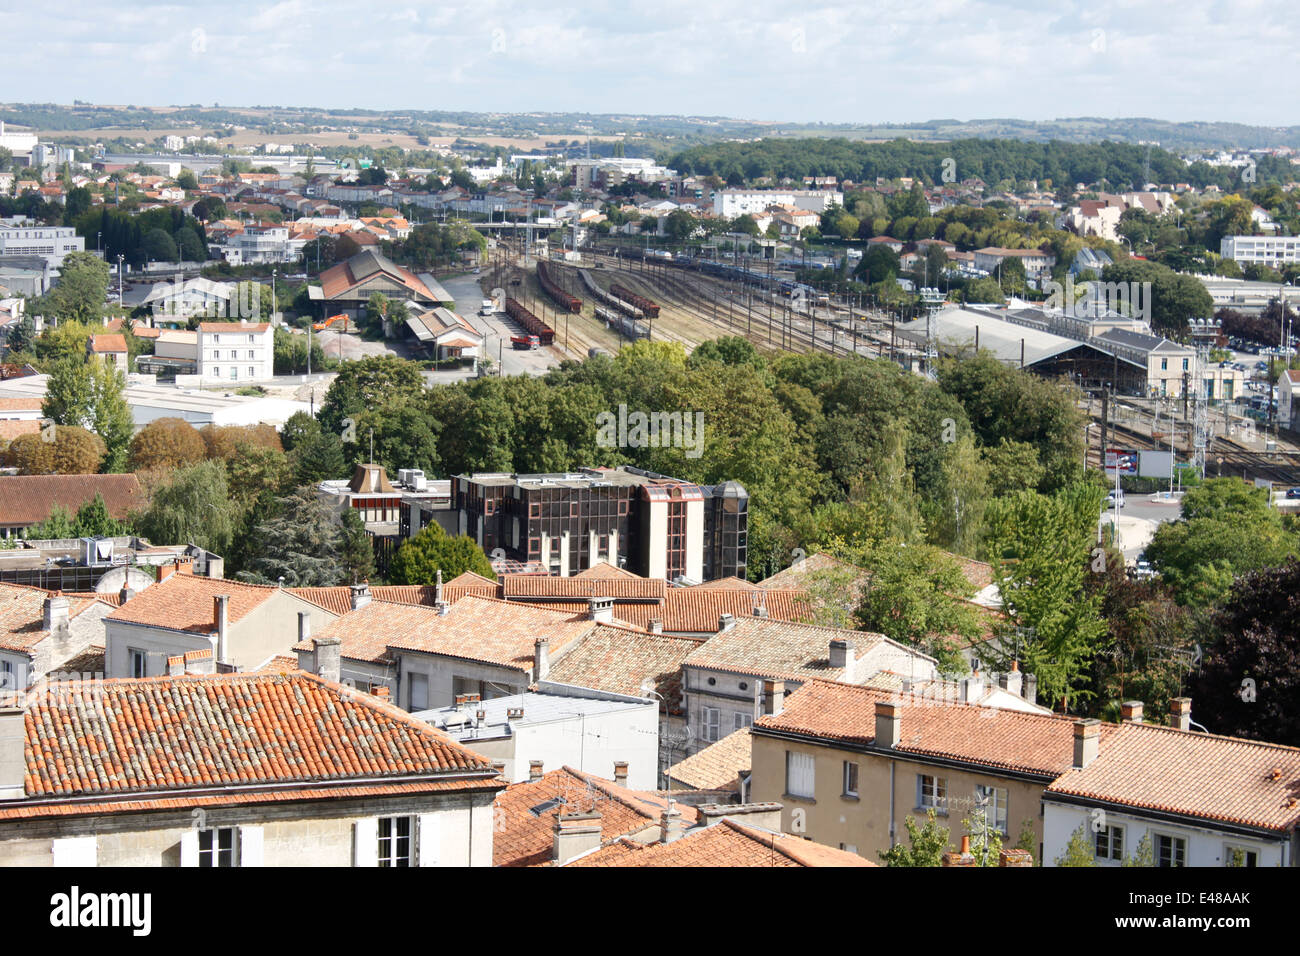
[(119, 278)]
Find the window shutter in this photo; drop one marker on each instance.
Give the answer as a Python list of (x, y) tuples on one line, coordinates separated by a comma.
[(76, 851), (190, 847), (365, 842), (250, 846), (429, 833)]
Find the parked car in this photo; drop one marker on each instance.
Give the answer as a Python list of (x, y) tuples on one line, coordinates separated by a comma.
[(1293, 493), (1111, 498), (1143, 569)]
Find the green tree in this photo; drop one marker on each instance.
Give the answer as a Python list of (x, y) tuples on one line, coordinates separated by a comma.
[(1144, 855), (80, 293), (316, 457), (356, 553), (22, 336), (299, 544), (366, 384), (110, 416), (419, 559), (194, 507), (1079, 851), (58, 526), (928, 844), (94, 521), (159, 246)]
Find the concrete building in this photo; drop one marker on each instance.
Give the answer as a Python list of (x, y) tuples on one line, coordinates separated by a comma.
[(1035, 261), (93, 774), (1275, 251), (236, 351), (50, 243), (730, 203)]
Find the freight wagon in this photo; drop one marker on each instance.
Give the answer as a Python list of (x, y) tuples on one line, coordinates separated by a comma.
[(531, 323)]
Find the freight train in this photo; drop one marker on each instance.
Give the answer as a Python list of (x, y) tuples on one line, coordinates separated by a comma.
[(648, 308), (562, 299), (531, 323), (612, 301), (626, 326)]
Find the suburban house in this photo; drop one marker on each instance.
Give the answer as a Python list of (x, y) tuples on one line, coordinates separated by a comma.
[(850, 763), (236, 351), (741, 672), (1035, 261), (244, 625), (228, 770), (1199, 799), (109, 347), (26, 500), (445, 334), (41, 631)]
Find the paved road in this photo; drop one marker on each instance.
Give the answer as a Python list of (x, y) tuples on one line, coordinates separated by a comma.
[(497, 329), (1138, 520)]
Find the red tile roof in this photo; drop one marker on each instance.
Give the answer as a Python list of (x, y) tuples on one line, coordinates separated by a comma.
[(726, 843), (583, 586), (697, 610), (28, 499), (184, 602), (108, 342), (1039, 744), (620, 660), (233, 326), (718, 766), (1199, 775), (22, 616), (177, 733)]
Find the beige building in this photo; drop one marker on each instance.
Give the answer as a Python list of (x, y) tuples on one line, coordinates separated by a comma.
[(41, 631), (235, 775), (850, 764)]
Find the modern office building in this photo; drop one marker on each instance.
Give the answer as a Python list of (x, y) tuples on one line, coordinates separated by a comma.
[(51, 243), (1266, 250), (647, 523)]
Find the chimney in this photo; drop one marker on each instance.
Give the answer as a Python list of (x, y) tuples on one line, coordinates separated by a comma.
[(841, 656), (500, 767), (534, 771), (1180, 713), (1031, 688), (670, 824), (726, 622), (329, 657), (1130, 712), (216, 567), (620, 772), (360, 595), (972, 688), (437, 588), (55, 612), (574, 835), (124, 595), (962, 858), (541, 658), (760, 608), (1087, 736), (656, 626), (1012, 681), (889, 724), (382, 693), (176, 665), (304, 626), (773, 696), (13, 763), (1015, 857), (443, 607), (600, 609), (220, 611)]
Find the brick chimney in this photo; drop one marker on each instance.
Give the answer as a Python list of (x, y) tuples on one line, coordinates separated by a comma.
[(620, 772), (221, 616), (534, 771), (773, 696), (176, 665), (574, 834), (1130, 712), (889, 724), (360, 595), (541, 658), (600, 609), (1180, 713), (329, 657), (962, 858), (670, 824), (1087, 738), (1015, 857)]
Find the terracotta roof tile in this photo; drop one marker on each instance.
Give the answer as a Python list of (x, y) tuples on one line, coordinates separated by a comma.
[(718, 766), (28, 499), (620, 660), (726, 843), (22, 616), (581, 587), (108, 342), (184, 602), (177, 733)]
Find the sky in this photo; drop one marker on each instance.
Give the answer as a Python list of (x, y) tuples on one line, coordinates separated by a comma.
[(864, 62)]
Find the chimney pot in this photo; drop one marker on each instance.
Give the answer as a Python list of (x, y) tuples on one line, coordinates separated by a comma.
[(670, 824), (1130, 711), (600, 609), (541, 658), (1180, 713), (360, 595)]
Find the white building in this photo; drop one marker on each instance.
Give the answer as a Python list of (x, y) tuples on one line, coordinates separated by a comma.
[(730, 203), (1266, 250), (198, 296), (236, 351), (266, 242), (51, 243), (20, 144)]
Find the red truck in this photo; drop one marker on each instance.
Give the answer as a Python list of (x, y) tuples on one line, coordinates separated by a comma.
[(525, 342)]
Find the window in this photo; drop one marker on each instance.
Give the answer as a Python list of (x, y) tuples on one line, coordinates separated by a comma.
[(217, 847), (137, 662), (622, 508), (849, 847), (850, 779), (994, 803), (932, 792), (234, 372), (712, 723), (1184, 365), (1110, 843), (1170, 851), (1164, 364), (251, 372), (1239, 856), (395, 848), (216, 372), (252, 354), (799, 775), (418, 692), (742, 720)]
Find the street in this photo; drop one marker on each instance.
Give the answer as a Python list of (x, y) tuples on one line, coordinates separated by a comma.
[(497, 330)]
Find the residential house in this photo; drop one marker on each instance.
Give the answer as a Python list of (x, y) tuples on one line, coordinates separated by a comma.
[(41, 631), (110, 348), (228, 770), (721, 769), (236, 351), (1035, 261), (26, 500)]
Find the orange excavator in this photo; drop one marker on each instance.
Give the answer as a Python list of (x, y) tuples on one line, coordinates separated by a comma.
[(341, 317)]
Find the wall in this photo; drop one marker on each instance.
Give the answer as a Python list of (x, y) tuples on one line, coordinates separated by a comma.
[(593, 744), (272, 628), (441, 670), (158, 643)]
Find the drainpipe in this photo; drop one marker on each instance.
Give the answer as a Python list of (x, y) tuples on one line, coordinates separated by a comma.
[(892, 765)]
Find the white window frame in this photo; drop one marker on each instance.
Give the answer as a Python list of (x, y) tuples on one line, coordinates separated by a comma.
[(132, 654), (1109, 833), (932, 793), (740, 721), (996, 810), (212, 854), (410, 690), (712, 724), (800, 774), (1174, 841), (851, 773), (390, 856), (1229, 847)]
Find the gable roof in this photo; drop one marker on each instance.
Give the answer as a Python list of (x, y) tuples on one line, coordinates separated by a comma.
[(583, 586), (718, 766), (726, 843), (1227, 779), (620, 660), (108, 342), (1009, 740), (136, 736), (22, 616), (339, 280), (184, 602), (525, 813), (28, 499)]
